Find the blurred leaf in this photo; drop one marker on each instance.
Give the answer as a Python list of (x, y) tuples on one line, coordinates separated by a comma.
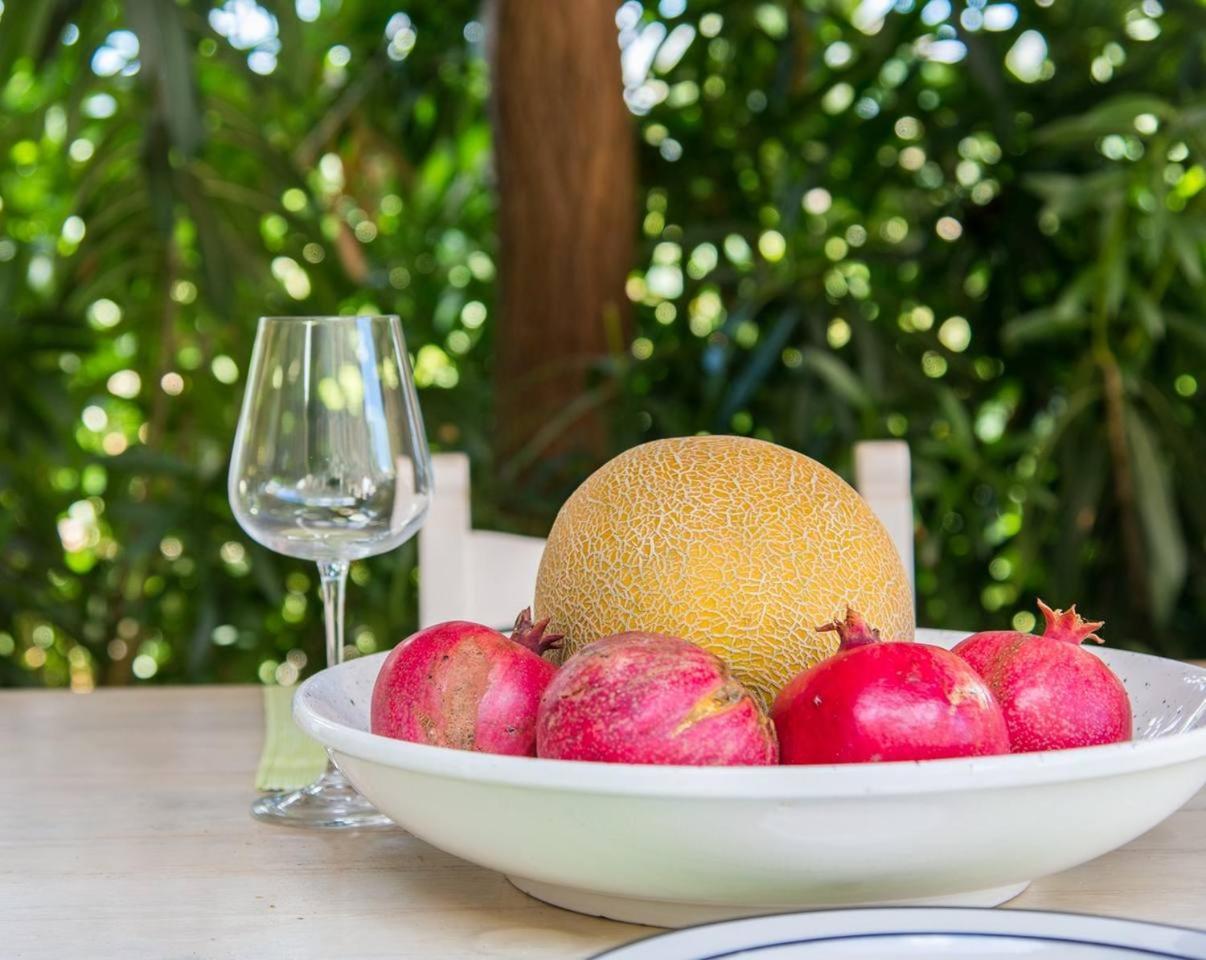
[(1192, 329), (32, 30), (217, 267), (1067, 195), (838, 377), (160, 181), (1116, 115), (1147, 311), (1068, 314), (1079, 512), (1167, 560), (1114, 270), (1190, 119), (166, 55), (1189, 256), (955, 412), (1044, 323), (762, 359)]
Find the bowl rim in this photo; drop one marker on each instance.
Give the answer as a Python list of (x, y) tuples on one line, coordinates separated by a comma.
[(820, 781)]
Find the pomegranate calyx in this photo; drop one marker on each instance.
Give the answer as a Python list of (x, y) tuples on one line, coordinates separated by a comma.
[(853, 631), (532, 635), (1069, 625)]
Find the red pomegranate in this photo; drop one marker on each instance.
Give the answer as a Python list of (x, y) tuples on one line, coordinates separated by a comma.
[(1054, 693), (647, 698), (465, 686), (875, 700)]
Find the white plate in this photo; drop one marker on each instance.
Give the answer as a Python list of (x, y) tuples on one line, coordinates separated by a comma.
[(921, 933), (673, 846)]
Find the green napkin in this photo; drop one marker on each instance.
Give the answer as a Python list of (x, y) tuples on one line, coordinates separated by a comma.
[(290, 758)]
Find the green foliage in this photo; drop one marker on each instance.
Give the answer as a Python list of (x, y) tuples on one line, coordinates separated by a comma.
[(147, 221), (998, 258)]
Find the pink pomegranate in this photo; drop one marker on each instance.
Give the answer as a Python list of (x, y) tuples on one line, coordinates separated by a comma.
[(647, 698), (465, 686), (1054, 693), (876, 700)]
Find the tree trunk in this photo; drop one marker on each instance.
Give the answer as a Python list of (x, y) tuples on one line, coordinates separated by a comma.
[(565, 164)]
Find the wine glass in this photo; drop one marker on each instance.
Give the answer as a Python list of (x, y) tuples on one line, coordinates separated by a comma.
[(330, 464)]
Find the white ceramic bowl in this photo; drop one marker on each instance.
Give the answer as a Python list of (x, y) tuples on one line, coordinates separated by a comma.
[(672, 846)]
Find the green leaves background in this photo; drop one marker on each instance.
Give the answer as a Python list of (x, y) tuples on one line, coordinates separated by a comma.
[(843, 237)]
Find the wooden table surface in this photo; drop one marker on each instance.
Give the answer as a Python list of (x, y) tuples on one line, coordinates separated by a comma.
[(124, 833)]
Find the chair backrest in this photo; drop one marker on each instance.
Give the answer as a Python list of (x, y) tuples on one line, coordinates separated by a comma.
[(882, 475), (481, 575), (467, 574)]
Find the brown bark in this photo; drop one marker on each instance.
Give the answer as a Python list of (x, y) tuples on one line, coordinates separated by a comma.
[(566, 180)]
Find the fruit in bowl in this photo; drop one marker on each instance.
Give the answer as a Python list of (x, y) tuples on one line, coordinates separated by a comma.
[(735, 544), (465, 686), (876, 701), (645, 698), (1055, 694)]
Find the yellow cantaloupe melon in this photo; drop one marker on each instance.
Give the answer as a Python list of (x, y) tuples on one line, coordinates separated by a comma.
[(741, 546)]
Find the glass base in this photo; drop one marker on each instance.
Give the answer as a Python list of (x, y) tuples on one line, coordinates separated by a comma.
[(329, 803)]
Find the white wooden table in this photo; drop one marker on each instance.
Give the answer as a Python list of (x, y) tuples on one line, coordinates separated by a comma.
[(124, 833)]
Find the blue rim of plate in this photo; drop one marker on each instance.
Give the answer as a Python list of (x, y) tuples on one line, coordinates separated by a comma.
[(1124, 924)]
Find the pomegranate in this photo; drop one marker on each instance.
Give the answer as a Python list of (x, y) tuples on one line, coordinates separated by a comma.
[(1054, 693), (465, 686), (875, 700), (648, 698)]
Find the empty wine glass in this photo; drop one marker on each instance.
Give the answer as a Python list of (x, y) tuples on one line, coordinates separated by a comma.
[(330, 464)]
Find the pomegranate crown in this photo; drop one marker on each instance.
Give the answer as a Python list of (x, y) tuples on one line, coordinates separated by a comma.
[(1069, 625), (532, 635), (853, 631)]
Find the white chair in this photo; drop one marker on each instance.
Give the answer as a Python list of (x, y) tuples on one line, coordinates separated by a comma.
[(481, 575)]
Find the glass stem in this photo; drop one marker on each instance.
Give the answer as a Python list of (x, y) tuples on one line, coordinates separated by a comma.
[(333, 581), (333, 577)]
